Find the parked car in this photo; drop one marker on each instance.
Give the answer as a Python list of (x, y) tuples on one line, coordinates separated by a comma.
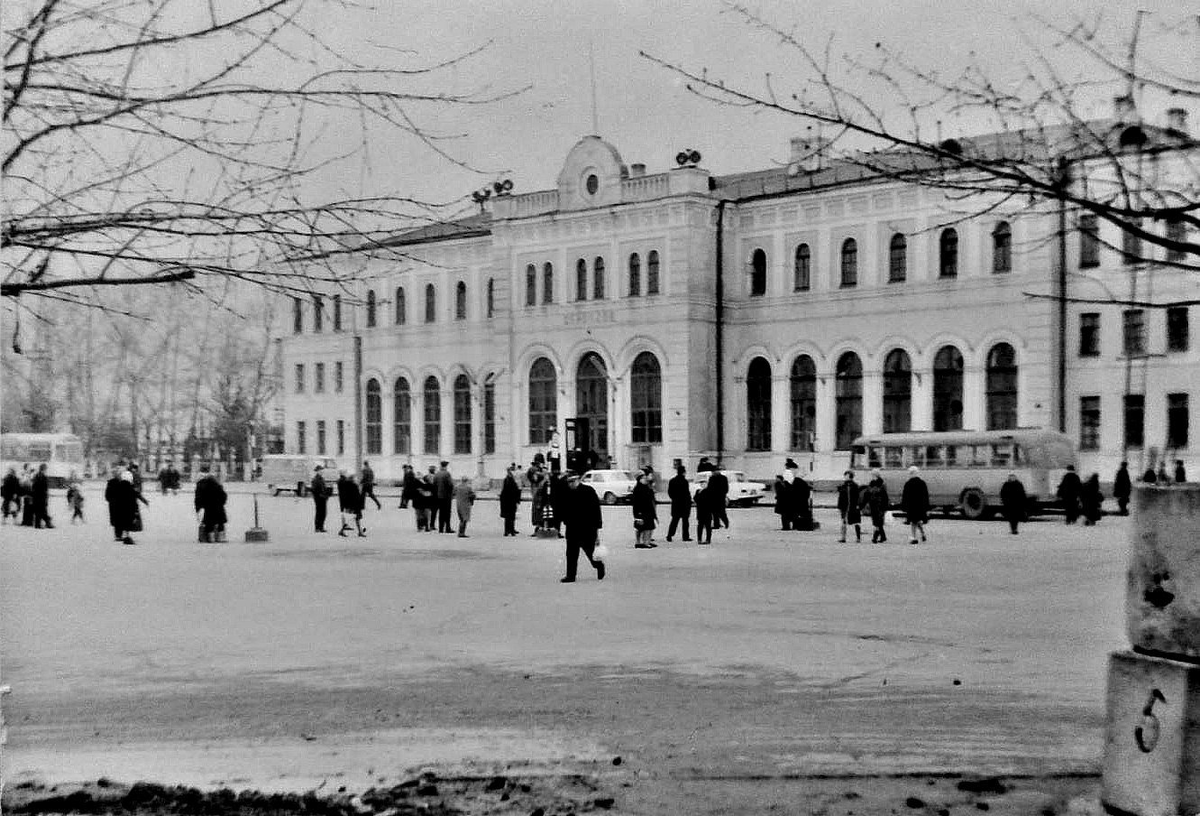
[(612, 486), (292, 472), (742, 491)]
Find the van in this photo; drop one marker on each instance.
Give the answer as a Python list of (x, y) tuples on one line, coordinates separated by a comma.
[(289, 472)]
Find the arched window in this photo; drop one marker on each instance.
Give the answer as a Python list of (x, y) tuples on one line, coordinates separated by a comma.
[(897, 392), (1002, 248), (370, 308), (460, 301), (897, 259), (804, 403), (548, 283), (802, 273), (758, 273), (645, 397), (430, 303), (401, 307), (652, 273), (531, 285), (462, 414), (849, 262), (374, 412), (758, 405), (491, 297), (1001, 388), (598, 279), (433, 416), (948, 254), (543, 401), (848, 398), (297, 315), (318, 314), (948, 389), (337, 313), (635, 275), (581, 279), (401, 417)]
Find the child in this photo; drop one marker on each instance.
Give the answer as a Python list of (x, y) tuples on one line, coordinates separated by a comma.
[(75, 501), (704, 517)]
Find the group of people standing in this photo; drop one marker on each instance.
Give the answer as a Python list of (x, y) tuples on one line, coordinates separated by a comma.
[(854, 499), (26, 498)]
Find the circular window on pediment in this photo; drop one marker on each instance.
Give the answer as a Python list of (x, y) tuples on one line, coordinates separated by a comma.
[(592, 184)]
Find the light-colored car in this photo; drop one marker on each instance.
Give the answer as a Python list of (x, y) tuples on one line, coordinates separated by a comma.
[(612, 486), (292, 473), (742, 491)]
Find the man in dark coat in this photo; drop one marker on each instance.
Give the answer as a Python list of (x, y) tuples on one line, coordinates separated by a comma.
[(783, 503), (350, 503), (510, 498), (875, 500), (1122, 488), (443, 489), (210, 505), (122, 505), (679, 491), (1068, 494), (41, 498), (10, 495), (847, 505), (1180, 473), (1012, 502), (718, 486), (581, 514), (367, 480), (914, 501), (320, 494), (1090, 499), (408, 490)]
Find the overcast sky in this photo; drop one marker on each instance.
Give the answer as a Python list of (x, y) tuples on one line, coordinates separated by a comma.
[(643, 109)]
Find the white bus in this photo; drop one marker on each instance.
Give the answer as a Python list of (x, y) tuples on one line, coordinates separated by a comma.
[(61, 453), (965, 469)]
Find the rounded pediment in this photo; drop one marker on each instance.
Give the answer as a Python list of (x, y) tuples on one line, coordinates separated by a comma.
[(591, 175)]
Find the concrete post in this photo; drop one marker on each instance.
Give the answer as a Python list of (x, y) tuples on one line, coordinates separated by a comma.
[(1152, 744)]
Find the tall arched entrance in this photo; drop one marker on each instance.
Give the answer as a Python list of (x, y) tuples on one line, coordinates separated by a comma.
[(591, 402)]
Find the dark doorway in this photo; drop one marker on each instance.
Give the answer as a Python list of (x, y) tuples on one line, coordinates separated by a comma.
[(591, 403)]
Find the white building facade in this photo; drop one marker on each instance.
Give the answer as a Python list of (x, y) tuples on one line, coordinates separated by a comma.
[(747, 318)]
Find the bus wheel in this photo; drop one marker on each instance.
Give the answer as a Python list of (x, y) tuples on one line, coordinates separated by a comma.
[(972, 503)]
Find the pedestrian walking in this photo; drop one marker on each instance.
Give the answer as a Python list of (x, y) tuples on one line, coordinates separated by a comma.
[(704, 516), (510, 499), (1180, 473), (10, 495), (875, 501), (1122, 488), (679, 492), (464, 498), (320, 494), (914, 501), (645, 513), (1013, 502), (802, 504), (443, 490), (75, 499), (27, 495), (426, 502), (536, 477), (1091, 499), (1068, 494), (350, 503), (209, 502), (718, 484), (783, 502), (40, 493), (408, 487), (367, 482), (848, 506), (122, 504), (583, 520)]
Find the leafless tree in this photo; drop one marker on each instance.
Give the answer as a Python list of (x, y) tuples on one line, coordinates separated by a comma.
[(1045, 151), (168, 140)]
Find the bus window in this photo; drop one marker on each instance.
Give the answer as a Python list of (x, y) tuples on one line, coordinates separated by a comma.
[(873, 456), (980, 455), (1001, 454), (1018, 455), (952, 455), (857, 457), (933, 456), (914, 455), (893, 457)]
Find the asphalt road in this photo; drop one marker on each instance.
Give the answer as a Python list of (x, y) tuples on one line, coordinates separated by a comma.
[(313, 660)]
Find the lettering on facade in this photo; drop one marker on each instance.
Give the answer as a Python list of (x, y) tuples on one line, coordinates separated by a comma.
[(602, 316)]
